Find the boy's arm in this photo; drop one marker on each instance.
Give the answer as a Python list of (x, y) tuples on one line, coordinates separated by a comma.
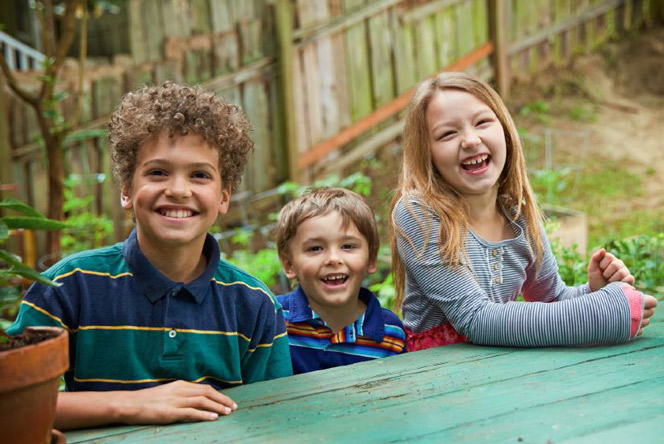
[(163, 404), (269, 355)]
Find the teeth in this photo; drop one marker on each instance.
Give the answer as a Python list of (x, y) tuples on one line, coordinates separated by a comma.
[(177, 214), (480, 159), (335, 277)]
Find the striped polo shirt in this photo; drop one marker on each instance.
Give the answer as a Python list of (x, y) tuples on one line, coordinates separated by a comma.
[(377, 333), (478, 298), (132, 328)]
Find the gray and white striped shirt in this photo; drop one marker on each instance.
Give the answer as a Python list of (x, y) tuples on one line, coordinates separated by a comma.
[(479, 301)]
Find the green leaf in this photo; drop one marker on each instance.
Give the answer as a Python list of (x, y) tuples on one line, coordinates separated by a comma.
[(18, 268), (17, 205), (4, 231), (34, 223)]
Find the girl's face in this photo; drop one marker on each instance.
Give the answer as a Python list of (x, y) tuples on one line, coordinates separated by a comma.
[(467, 142)]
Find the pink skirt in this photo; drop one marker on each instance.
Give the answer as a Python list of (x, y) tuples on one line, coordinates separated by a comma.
[(443, 334)]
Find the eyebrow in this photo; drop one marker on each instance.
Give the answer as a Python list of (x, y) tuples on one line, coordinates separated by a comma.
[(191, 165), (320, 239)]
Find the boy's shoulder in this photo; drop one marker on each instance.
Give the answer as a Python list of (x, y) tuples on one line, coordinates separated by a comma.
[(107, 260)]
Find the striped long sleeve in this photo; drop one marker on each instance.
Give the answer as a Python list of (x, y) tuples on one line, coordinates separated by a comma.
[(478, 299)]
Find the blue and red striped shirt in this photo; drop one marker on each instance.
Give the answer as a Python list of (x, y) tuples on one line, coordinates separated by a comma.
[(377, 333)]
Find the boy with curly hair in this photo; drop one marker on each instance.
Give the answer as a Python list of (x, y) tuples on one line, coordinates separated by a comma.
[(159, 323), (327, 239)]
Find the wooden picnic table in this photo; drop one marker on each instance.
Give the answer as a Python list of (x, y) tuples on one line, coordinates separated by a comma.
[(600, 394)]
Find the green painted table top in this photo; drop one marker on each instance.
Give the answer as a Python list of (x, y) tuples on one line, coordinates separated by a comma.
[(605, 394)]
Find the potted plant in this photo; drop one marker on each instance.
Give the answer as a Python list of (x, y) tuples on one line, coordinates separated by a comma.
[(31, 364)]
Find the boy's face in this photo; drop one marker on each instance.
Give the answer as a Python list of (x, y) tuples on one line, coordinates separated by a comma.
[(176, 192), (330, 262)]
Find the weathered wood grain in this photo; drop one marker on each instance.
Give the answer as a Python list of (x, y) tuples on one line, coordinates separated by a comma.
[(459, 393)]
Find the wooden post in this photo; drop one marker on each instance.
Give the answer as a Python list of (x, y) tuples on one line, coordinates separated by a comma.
[(284, 21), (498, 34)]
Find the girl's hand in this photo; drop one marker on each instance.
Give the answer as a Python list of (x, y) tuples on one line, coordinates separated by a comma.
[(604, 268), (648, 311)]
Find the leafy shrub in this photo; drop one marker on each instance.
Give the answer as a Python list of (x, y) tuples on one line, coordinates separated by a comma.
[(13, 272)]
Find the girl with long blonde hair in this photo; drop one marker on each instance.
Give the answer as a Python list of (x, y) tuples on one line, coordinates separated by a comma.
[(467, 236)]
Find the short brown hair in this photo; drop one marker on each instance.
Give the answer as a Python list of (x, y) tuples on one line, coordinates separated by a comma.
[(180, 110), (319, 202)]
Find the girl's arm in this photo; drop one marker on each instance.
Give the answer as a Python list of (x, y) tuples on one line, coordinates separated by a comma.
[(546, 285), (601, 317)]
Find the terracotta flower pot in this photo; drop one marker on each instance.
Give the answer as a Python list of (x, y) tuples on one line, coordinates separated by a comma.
[(29, 380)]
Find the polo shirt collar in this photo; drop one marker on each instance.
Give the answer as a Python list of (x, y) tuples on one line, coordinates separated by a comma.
[(370, 324), (155, 285)]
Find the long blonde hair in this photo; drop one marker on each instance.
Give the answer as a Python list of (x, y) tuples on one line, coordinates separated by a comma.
[(420, 178)]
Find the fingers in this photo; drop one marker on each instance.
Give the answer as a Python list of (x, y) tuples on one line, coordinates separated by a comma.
[(650, 302), (206, 404), (180, 401), (219, 398), (596, 259), (614, 270), (193, 415)]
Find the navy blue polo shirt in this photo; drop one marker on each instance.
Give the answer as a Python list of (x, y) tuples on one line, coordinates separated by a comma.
[(377, 333), (131, 327)]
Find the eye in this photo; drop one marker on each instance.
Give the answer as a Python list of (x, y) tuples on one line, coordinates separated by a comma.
[(348, 247), (156, 172), (314, 248), (447, 135), (201, 175), (484, 121)]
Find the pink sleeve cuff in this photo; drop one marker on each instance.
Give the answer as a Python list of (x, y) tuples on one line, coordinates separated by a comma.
[(635, 300)]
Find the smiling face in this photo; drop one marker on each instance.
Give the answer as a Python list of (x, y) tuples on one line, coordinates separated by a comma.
[(467, 142), (176, 192), (329, 261)]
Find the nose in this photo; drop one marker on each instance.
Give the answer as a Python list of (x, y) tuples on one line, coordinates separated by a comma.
[(333, 257), (470, 139), (178, 187)]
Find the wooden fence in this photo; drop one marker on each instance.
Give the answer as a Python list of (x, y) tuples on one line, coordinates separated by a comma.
[(323, 81)]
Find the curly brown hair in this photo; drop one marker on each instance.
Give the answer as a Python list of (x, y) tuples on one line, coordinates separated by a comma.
[(179, 109)]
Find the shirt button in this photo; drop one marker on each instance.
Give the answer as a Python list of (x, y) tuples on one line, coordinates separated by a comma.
[(495, 266), (175, 293), (172, 334), (495, 253)]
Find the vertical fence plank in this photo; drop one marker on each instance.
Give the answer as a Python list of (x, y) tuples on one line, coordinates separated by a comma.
[(307, 13), (381, 61), (261, 167), (404, 54), (153, 33), (426, 47), (357, 66), (288, 92), (445, 36), (498, 31), (136, 37)]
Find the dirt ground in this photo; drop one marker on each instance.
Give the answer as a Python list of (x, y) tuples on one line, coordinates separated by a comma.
[(621, 87)]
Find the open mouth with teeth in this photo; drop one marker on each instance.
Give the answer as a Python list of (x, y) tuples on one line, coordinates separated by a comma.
[(335, 280), (176, 214), (476, 163)]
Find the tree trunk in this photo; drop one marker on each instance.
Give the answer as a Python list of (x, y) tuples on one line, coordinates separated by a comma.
[(56, 175)]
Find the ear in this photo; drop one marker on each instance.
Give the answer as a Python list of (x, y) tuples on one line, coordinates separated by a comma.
[(125, 199), (287, 265), (225, 200), (373, 266)]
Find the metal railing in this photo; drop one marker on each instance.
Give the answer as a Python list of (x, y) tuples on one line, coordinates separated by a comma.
[(19, 56)]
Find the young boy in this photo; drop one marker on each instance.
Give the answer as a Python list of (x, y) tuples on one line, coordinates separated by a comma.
[(160, 309), (327, 239)]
